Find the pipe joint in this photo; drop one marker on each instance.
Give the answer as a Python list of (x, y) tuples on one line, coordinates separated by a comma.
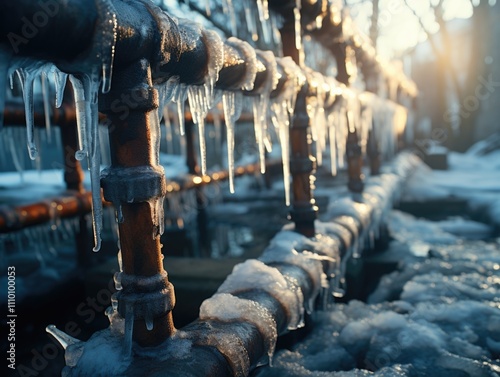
[(133, 184), (150, 297)]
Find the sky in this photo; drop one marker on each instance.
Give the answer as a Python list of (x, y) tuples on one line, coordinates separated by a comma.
[(399, 28)]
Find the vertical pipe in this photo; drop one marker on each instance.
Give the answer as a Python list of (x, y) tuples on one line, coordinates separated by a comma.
[(135, 173), (353, 148), (354, 163), (302, 163), (373, 152)]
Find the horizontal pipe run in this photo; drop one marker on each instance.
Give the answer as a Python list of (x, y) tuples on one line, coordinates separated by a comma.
[(13, 218), (271, 301)]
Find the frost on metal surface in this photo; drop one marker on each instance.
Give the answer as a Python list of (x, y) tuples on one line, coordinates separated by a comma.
[(228, 308)]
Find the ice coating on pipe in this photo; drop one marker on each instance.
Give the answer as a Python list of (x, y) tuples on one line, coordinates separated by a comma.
[(254, 274), (232, 103), (228, 308), (215, 49), (250, 58), (312, 266), (231, 346)]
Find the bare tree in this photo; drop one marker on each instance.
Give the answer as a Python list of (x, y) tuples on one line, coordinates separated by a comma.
[(442, 46)]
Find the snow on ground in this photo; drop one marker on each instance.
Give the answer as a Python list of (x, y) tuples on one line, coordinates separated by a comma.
[(474, 176), (434, 316), (438, 314)]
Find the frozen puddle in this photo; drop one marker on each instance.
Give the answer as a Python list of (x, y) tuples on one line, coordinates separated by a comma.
[(437, 315)]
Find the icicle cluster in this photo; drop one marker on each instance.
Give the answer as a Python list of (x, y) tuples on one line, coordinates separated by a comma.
[(85, 86), (261, 106), (282, 108), (232, 103)]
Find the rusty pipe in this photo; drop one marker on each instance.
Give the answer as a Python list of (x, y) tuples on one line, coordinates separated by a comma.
[(73, 204), (13, 218)]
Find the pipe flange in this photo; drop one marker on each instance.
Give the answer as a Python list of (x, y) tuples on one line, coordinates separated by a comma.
[(133, 184), (150, 297)]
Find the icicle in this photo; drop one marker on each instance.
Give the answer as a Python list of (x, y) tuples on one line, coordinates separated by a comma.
[(27, 79), (169, 136), (60, 79), (260, 104), (64, 339), (341, 130), (81, 117), (158, 216), (180, 99), (207, 8), (46, 105), (198, 106), (281, 122), (232, 103), (108, 26), (129, 328), (86, 92), (282, 108), (166, 92)]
